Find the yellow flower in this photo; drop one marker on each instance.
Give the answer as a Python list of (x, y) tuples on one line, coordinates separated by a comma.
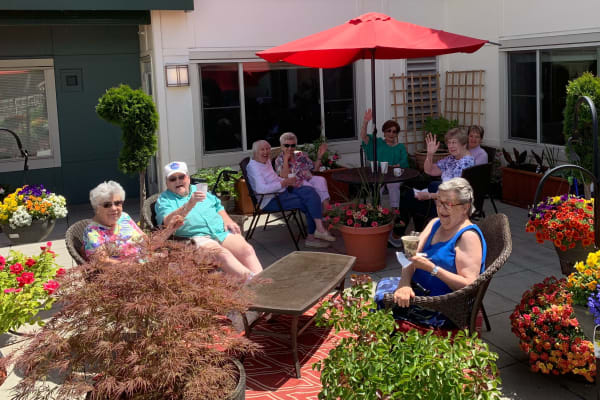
[(579, 266), (592, 259)]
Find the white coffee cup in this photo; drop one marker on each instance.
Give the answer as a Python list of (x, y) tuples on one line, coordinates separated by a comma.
[(373, 169), (398, 171), (202, 187), (384, 167)]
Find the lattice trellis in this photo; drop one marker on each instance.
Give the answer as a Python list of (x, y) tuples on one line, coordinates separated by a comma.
[(464, 97), (414, 98)]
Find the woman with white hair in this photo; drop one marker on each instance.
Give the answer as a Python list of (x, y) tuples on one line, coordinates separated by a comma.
[(264, 180), (112, 228), (289, 161), (450, 255)]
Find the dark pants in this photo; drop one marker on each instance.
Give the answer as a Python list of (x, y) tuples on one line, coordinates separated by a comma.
[(421, 211), (303, 198)]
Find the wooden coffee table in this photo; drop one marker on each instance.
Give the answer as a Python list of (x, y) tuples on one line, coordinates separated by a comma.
[(296, 283)]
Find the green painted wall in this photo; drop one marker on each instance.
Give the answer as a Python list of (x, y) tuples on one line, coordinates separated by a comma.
[(106, 56)]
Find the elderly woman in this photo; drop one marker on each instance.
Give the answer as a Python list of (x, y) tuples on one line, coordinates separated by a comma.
[(113, 228), (388, 150), (289, 161), (418, 205), (451, 255), (264, 180), (475, 137)]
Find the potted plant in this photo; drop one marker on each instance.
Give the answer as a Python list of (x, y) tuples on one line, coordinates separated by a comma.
[(226, 188), (365, 229), (153, 330), (339, 191), (437, 126), (520, 179), (549, 333), (27, 284), (582, 284), (29, 213), (567, 221), (376, 362)]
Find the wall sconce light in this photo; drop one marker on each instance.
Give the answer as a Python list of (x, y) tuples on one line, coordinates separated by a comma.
[(177, 75)]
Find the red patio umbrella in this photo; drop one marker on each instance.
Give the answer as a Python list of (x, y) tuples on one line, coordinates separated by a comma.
[(372, 35)]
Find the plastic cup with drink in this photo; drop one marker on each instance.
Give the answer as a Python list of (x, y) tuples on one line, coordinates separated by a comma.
[(291, 175), (202, 187)]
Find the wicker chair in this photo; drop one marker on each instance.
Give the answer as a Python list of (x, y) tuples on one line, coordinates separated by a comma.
[(74, 240), (462, 306), (149, 215)]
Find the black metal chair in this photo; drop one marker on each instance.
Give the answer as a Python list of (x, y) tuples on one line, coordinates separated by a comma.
[(286, 215), (479, 176)]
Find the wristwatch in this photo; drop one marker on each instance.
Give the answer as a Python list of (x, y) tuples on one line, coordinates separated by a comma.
[(435, 270)]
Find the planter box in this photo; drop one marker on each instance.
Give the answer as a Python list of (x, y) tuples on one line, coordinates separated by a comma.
[(338, 191), (519, 186)]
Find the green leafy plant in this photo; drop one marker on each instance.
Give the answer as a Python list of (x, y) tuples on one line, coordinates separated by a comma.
[(26, 287), (154, 330), (135, 113), (519, 162), (375, 362), (586, 85), (226, 186), (439, 126)]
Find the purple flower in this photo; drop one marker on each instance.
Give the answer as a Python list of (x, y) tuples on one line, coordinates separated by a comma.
[(594, 306)]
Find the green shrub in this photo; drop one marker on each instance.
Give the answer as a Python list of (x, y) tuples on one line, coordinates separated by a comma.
[(439, 126), (377, 363), (586, 85), (210, 175)]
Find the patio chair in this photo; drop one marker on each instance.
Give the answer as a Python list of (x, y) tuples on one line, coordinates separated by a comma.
[(462, 306), (286, 215), (479, 176), (74, 240)]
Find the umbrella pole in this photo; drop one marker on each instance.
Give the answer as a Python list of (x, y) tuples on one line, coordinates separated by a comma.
[(373, 109)]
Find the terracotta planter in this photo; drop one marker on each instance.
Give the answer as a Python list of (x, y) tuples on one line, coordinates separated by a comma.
[(519, 186), (368, 245), (338, 191), (36, 232), (569, 257), (421, 155)]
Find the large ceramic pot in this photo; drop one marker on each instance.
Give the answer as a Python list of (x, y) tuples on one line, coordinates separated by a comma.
[(368, 245), (36, 232), (569, 257)]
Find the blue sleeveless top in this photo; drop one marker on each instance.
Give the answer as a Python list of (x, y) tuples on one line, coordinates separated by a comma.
[(443, 254)]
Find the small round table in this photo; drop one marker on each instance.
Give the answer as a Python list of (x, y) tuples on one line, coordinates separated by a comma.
[(364, 175)]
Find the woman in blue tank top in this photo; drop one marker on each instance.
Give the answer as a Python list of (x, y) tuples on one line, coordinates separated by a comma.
[(452, 255)]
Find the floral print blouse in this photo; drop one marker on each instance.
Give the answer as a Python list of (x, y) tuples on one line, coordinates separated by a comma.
[(452, 168), (124, 237), (301, 165)]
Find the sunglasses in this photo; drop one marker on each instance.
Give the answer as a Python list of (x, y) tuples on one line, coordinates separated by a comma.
[(292, 145), (175, 178), (109, 204)]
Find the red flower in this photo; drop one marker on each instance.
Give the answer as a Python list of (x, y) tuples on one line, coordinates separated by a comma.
[(374, 224), (12, 290), (2, 262), (61, 271), (26, 278), (350, 222), (51, 286), (385, 211), (16, 268), (30, 262), (349, 213)]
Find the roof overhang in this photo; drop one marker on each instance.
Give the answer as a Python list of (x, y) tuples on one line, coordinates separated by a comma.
[(96, 5)]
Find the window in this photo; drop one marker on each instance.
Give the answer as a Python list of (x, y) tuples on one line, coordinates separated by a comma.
[(248, 101), (554, 68), (28, 108)]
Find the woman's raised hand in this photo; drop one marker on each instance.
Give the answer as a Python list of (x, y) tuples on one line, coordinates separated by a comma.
[(368, 116), (432, 143), (322, 150)]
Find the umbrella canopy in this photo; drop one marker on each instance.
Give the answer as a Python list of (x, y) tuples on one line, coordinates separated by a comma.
[(370, 36)]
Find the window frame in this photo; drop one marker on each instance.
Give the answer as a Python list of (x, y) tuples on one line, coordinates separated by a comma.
[(38, 162), (529, 45), (233, 156)]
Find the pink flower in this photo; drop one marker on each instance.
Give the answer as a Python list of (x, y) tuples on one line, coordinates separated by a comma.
[(26, 278), (349, 212), (51, 286), (2, 262), (361, 206), (60, 272), (16, 268), (349, 222), (12, 290), (385, 211), (374, 223), (30, 262)]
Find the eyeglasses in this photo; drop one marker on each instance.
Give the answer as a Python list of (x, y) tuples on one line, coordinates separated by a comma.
[(447, 205), (292, 145), (392, 130), (177, 177), (109, 204)]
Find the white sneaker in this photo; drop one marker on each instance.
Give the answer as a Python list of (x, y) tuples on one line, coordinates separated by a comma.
[(316, 243), (324, 236)]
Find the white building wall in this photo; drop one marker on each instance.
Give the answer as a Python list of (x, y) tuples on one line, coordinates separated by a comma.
[(224, 25)]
